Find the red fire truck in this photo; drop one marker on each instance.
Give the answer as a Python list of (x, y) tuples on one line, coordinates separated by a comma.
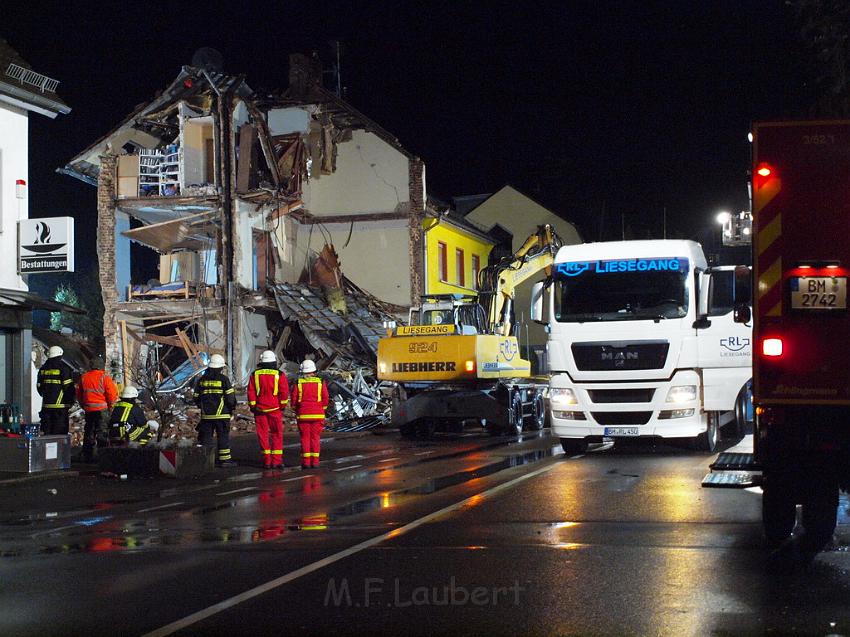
[(801, 329)]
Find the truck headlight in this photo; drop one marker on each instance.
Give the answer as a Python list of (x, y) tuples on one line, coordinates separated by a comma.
[(561, 397), (682, 394)]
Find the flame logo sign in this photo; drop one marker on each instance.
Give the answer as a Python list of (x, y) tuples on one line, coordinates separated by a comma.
[(42, 232), (41, 243)]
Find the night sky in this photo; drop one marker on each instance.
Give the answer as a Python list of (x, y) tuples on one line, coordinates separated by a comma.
[(621, 108)]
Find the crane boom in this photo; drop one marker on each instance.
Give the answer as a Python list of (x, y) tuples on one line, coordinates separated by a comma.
[(499, 281)]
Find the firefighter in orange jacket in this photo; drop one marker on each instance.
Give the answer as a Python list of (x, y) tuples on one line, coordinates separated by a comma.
[(308, 399), (268, 394), (96, 393)]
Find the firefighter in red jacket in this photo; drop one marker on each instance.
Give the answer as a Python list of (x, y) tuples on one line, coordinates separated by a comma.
[(268, 394), (308, 399)]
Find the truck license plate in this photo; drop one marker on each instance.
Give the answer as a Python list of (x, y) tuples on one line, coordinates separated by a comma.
[(621, 431), (819, 293)]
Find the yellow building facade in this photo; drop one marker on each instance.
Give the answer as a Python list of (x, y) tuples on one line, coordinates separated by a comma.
[(454, 254)]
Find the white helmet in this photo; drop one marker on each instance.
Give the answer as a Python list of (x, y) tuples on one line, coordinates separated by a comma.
[(129, 392), (308, 367), (268, 357), (216, 361), (55, 351)]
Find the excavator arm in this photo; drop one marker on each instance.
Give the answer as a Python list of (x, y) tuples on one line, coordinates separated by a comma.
[(499, 281)]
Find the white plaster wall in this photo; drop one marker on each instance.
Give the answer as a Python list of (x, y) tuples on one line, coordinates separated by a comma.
[(246, 218), (195, 132), (370, 176), (14, 155), (240, 114), (375, 259), (282, 121), (255, 334), (285, 233)]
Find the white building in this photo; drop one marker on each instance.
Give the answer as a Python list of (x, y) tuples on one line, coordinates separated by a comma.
[(22, 91)]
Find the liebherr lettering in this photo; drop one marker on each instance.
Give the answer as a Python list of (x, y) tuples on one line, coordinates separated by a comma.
[(429, 366)]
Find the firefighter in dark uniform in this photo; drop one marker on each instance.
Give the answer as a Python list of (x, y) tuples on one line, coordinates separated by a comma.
[(216, 398), (55, 385), (127, 422)]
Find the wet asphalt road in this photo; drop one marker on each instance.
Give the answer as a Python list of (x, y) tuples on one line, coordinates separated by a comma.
[(462, 535)]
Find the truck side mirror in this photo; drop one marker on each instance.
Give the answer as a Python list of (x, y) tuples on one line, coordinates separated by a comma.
[(743, 285), (538, 291), (742, 314), (743, 294), (703, 281)]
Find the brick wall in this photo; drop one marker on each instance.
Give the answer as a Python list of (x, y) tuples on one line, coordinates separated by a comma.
[(416, 243), (106, 197)]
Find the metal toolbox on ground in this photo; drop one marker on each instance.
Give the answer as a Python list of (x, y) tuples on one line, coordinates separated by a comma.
[(32, 455)]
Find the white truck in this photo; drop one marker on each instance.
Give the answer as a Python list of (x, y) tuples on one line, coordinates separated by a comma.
[(643, 342)]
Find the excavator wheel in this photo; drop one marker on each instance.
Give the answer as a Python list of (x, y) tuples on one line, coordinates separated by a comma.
[(538, 412), (407, 430), (516, 416)]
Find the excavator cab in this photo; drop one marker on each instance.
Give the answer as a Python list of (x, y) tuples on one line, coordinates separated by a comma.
[(462, 311)]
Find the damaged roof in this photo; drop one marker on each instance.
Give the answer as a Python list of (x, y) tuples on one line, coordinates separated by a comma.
[(327, 331), (25, 88), (343, 114), (137, 128)]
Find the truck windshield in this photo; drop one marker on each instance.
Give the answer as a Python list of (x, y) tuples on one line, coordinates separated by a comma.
[(621, 290)]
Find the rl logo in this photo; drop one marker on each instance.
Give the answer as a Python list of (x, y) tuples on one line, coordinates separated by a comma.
[(734, 343), (508, 349)]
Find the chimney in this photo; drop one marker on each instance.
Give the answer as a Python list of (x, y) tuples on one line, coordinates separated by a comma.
[(305, 72)]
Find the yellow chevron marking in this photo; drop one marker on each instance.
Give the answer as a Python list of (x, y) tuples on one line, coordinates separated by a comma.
[(766, 193), (776, 310), (770, 277), (770, 233)]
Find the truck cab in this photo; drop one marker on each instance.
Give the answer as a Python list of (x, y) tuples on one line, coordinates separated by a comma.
[(643, 342)]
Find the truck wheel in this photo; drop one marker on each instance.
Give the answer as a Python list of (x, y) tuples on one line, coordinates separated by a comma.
[(708, 439), (572, 446), (738, 427), (425, 428), (778, 511), (819, 515), (516, 413), (538, 412)]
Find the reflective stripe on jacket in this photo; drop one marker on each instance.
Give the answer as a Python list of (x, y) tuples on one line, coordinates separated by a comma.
[(128, 422), (96, 391), (268, 390), (215, 396), (309, 398), (55, 384)]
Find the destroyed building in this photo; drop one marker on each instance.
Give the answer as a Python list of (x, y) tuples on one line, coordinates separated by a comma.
[(250, 202)]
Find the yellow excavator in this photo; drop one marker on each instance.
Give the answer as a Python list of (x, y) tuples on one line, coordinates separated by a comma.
[(459, 359)]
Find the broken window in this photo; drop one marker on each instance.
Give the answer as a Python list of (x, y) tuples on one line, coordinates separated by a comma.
[(180, 159)]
